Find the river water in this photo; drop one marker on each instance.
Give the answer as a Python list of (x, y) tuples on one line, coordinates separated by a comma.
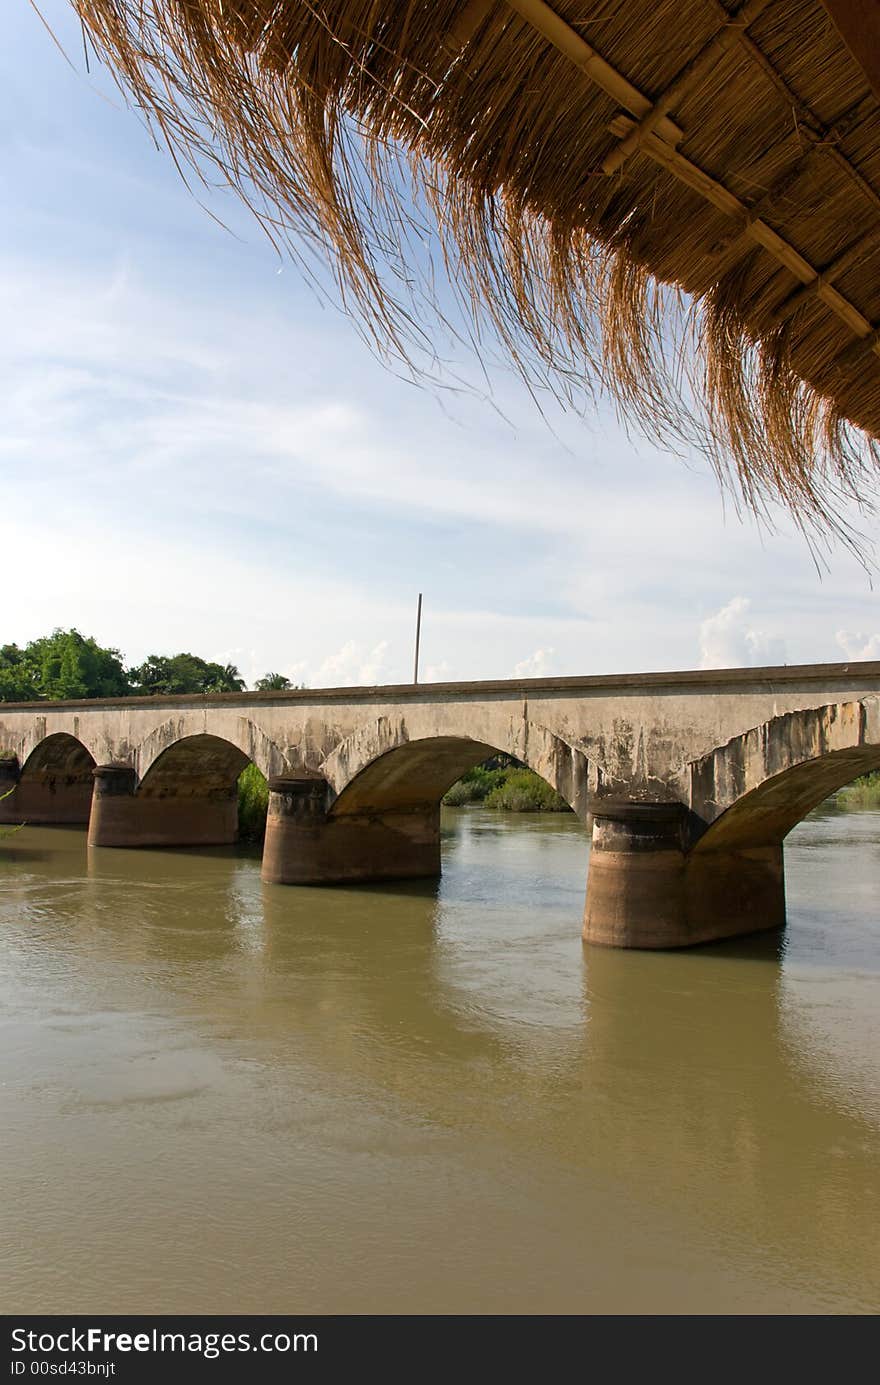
[(220, 1096)]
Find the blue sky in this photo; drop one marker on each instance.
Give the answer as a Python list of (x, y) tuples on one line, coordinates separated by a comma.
[(197, 453)]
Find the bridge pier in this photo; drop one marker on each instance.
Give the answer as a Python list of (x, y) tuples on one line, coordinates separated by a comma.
[(51, 794), (307, 845), (646, 889), (195, 816)]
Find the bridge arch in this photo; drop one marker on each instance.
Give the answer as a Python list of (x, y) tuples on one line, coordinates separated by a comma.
[(384, 767), (199, 765), (59, 754), (239, 733), (753, 790), (373, 812), (187, 797), (55, 782)]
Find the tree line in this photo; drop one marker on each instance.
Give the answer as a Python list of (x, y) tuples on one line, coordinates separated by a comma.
[(67, 664)]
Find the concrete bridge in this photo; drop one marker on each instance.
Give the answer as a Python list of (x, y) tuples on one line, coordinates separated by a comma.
[(689, 782)]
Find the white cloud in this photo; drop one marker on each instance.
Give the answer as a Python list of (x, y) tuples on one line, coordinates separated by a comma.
[(438, 673), (115, 376), (729, 640), (537, 665), (855, 645), (351, 666)]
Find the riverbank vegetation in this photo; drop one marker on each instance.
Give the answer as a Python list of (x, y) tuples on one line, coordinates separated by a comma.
[(863, 792), (253, 804), (506, 784), (67, 664)]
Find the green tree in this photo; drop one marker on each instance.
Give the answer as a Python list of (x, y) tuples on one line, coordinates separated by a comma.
[(17, 679), (273, 682), (184, 673), (226, 679), (67, 664), (154, 675), (63, 664)]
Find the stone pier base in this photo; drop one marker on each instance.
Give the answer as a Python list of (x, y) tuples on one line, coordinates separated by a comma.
[(122, 817), (644, 889), (43, 797), (307, 845)]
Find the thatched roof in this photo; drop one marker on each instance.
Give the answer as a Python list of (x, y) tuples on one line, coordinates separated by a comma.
[(575, 160)]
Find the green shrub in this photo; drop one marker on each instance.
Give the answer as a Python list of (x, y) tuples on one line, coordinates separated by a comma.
[(475, 786), (862, 793), (523, 791), (459, 794), (253, 804), (505, 784)]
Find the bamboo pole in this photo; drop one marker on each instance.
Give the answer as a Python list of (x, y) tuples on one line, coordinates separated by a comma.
[(690, 76), (721, 197), (868, 244), (569, 42)]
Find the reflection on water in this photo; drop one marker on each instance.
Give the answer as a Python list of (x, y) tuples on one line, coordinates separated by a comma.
[(220, 1096)]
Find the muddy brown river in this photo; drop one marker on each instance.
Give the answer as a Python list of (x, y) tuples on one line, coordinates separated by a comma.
[(219, 1096)]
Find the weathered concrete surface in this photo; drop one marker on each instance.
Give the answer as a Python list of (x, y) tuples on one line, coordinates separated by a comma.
[(744, 753), (646, 889), (754, 788), (191, 813), (57, 788), (306, 844)]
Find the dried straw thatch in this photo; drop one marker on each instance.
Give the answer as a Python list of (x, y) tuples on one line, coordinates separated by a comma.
[(582, 163)]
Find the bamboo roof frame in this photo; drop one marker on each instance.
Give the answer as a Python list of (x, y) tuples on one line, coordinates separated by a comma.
[(796, 441), (648, 133)]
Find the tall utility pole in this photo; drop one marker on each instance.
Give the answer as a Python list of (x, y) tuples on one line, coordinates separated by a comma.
[(418, 637)]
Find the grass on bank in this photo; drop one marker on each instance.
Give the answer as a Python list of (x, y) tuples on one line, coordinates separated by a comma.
[(863, 792), (507, 786), (515, 789)]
